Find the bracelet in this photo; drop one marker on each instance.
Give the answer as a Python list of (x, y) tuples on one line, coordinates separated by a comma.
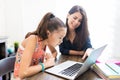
[(43, 68)]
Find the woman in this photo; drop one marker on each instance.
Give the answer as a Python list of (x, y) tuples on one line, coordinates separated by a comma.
[(76, 41), (31, 57)]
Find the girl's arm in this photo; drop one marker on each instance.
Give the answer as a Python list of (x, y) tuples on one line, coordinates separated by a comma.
[(25, 68)]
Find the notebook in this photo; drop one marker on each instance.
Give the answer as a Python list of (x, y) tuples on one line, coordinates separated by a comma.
[(107, 71), (72, 69)]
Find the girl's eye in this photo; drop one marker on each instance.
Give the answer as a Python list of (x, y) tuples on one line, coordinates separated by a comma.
[(74, 18), (60, 38)]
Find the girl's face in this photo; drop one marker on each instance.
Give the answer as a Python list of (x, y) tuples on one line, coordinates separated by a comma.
[(74, 20), (56, 37)]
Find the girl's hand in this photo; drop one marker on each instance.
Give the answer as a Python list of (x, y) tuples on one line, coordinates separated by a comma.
[(50, 61), (48, 55), (87, 53)]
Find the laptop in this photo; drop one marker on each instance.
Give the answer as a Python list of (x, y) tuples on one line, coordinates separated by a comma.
[(72, 69)]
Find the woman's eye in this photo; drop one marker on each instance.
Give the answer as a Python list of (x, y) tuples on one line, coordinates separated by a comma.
[(80, 20)]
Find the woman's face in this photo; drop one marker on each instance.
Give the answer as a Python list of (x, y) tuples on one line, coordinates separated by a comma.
[(74, 20), (56, 37)]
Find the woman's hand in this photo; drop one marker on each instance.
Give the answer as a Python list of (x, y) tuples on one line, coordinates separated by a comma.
[(87, 53)]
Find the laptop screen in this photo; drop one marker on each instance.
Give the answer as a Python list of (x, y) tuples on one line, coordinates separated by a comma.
[(91, 59)]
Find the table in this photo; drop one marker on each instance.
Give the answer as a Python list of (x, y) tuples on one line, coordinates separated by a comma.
[(88, 75)]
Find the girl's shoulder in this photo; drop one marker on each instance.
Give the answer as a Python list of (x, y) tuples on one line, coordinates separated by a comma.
[(33, 38), (30, 39), (36, 37)]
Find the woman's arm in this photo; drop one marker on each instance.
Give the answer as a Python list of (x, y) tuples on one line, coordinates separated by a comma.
[(74, 52), (66, 50), (88, 48), (87, 53)]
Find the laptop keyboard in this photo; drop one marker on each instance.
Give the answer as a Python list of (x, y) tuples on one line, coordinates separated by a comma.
[(70, 71)]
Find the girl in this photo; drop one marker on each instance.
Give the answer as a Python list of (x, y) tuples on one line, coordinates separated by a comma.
[(31, 57)]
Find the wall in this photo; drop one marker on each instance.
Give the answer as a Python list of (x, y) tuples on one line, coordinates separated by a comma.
[(12, 24), (33, 11), (116, 28), (17, 17), (2, 17)]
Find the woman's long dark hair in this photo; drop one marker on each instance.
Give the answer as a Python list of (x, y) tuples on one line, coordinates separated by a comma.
[(82, 32), (48, 22)]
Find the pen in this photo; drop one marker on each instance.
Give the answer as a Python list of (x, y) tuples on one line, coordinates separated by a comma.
[(111, 68)]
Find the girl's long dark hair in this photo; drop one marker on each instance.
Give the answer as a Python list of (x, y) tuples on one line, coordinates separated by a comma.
[(82, 32)]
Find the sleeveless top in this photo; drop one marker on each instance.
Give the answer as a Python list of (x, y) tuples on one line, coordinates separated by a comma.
[(38, 56)]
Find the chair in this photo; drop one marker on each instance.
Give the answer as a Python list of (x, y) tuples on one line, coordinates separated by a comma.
[(7, 65)]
